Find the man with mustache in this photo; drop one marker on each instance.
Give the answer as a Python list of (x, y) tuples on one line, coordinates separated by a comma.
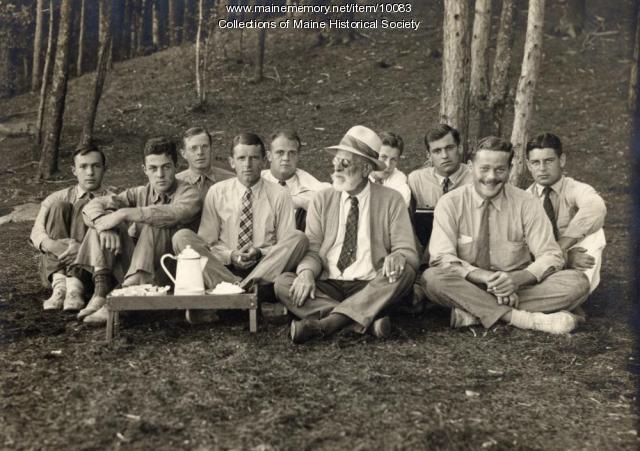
[(283, 154), (575, 209), (429, 184), (129, 232), (197, 150), (362, 257), (58, 230), (247, 230), (494, 256)]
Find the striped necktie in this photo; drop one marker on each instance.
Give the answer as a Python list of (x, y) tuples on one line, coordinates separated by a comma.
[(350, 243), (245, 234), (446, 185), (483, 258)]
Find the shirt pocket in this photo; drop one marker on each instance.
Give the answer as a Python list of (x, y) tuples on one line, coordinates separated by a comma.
[(510, 255), (464, 247)]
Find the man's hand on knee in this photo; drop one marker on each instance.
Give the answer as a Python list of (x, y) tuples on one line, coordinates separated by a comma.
[(577, 258), (303, 287), (69, 255), (393, 266), (110, 241)]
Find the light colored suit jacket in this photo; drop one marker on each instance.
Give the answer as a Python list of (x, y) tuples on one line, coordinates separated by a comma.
[(390, 230)]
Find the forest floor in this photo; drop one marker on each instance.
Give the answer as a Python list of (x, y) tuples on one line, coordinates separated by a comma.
[(165, 385)]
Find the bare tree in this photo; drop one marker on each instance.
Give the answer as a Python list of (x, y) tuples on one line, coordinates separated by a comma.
[(101, 71), (140, 25), (524, 103), (479, 83), (262, 37), (171, 13), (36, 71), (574, 13), (200, 60), (155, 25), (491, 124), (454, 98), (46, 73), (56, 101), (81, 33)]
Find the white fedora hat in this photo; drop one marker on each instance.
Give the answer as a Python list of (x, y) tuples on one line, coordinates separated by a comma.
[(361, 141)]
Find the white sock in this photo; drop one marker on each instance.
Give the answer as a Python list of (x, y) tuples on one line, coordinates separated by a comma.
[(553, 323), (74, 285), (59, 282)]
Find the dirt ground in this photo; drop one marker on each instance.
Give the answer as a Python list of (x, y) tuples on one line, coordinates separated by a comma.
[(164, 384)]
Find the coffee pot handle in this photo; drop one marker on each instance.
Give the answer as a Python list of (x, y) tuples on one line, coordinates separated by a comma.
[(165, 268)]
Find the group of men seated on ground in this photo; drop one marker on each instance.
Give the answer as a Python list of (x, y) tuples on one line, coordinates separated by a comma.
[(341, 255)]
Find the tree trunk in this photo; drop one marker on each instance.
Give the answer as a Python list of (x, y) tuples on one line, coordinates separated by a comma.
[(155, 25), (479, 84), (200, 73), (491, 124), (454, 100), (105, 17), (55, 110), (133, 27), (46, 72), (171, 13), (83, 8), (101, 74), (524, 104), (574, 13), (186, 21), (633, 79), (140, 26), (262, 37), (36, 72)]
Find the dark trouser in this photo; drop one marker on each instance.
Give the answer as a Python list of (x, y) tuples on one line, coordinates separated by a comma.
[(562, 290), (283, 256), (360, 300), (143, 255), (64, 221)]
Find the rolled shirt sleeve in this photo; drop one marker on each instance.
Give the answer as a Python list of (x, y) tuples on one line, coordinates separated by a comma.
[(548, 257), (591, 210)]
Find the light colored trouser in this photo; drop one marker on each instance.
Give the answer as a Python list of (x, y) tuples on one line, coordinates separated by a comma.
[(360, 300), (144, 255), (594, 244), (63, 221), (283, 256), (562, 290)]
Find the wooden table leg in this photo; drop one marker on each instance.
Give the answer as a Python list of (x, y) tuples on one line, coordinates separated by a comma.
[(110, 321), (253, 320)]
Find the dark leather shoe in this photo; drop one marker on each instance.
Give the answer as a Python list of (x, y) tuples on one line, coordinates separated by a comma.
[(304, 330)]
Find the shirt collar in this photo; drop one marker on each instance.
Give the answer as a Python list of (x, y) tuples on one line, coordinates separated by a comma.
[(496, 201), (453, 177), (556, 187), (192, 176), (361, 196), (165, 197), (255, 189)]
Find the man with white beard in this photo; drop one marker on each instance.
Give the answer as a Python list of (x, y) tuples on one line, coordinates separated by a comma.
[(361, 257)]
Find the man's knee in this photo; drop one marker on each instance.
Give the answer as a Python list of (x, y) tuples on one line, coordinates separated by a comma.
[(577, 284), (282, 285), (298, 238), (182, 238)]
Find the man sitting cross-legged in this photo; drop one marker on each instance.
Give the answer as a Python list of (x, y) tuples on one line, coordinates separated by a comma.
[(129, 232), (59, 229), (575, 209), (283, 154), (247, 230), (493, 254), (362, 257), (391, 176), (197, 149)]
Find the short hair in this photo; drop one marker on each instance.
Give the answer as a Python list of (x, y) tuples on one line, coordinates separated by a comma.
[(287, 133), (248, 139), (161, 146), (392, 140), (439, 132), (195, 131), (493, 143), (88, 147), (544, 140)]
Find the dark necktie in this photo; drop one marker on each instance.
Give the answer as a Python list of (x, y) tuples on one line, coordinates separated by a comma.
[(245, 234), (548, 208), (446, 185), (350, 243), (483, 259), (282, 183)]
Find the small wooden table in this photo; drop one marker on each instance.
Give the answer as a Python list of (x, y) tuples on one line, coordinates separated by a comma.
[(243, 301)]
